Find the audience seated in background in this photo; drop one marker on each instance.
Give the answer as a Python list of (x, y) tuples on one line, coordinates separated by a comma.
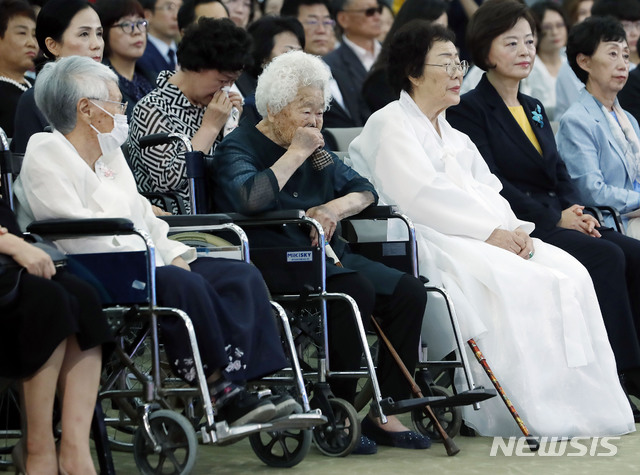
[(376, 90), (274, 165), (359, 20), (568, 86), (192, 10), (551, 39), (51, 335), (18, 48), (160, 53), (212, 54), (319, 36), (125, 40), (75, 172), (240, 11), (577, 10), (597, 139), (512, 132), (272, 36), (386, 21), (471, 242), (63, 28)]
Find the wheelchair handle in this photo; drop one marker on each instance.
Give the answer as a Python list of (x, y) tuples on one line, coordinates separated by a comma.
[(164, 138)]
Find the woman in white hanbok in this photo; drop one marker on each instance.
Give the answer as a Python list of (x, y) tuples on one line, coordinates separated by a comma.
[(530, 306)]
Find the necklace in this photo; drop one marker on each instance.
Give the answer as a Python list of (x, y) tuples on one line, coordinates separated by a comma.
[(22, 87)]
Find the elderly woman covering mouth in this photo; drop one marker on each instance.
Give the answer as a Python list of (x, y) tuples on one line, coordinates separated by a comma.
[(277, 164)]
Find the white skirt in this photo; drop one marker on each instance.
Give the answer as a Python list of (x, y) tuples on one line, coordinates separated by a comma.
[(539, 326)]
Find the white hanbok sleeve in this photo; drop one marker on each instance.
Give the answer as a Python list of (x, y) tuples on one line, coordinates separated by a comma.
[(401, 165)]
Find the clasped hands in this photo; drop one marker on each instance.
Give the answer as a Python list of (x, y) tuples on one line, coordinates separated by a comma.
[(517, 241), (575, 218)]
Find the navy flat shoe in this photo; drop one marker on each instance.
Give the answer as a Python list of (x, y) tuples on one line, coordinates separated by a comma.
[(366, 446), (404, 440)]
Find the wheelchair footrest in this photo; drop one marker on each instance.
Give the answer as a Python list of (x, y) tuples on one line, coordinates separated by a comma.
[(225, 434), (465, 398), (390, 407)]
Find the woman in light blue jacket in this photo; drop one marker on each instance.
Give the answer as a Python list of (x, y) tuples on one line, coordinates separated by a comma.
[(597, 139)]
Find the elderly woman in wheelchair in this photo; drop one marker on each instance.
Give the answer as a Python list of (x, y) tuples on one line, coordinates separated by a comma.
[(280, 164), (52, 333), (79, 171)]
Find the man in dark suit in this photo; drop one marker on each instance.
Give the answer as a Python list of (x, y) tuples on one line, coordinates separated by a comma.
[(160, 53), (360, 20)]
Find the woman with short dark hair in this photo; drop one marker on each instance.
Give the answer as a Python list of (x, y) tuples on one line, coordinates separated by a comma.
[(125, 40), (514, 136), (597, 139), (18, 48), (192, 101)]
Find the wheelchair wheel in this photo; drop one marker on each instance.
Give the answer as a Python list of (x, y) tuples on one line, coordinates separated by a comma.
[(178, 445), (281, 449), (450, 417), (10, 431), (338, 437)]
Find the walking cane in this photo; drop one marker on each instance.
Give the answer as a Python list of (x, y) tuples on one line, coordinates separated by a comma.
[(449, 444), (534, 445)]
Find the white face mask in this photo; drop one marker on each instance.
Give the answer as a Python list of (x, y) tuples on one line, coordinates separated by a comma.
[(111, 141)]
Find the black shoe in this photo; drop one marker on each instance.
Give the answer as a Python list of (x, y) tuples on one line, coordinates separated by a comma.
[(245, 408), (405, 440), (365, 446)]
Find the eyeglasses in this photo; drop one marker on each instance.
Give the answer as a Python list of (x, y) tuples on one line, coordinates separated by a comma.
[(169, 7), (368, 11), (328, 23), (553, 26), (128, 27), (123, 105), (628, 25), (453, 68)]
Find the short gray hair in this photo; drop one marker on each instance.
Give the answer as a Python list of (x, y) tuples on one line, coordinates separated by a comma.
[(60, 85), (279, 82)]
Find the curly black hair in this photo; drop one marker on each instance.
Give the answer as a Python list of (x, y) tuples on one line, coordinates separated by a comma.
[(110, 11), (214, 44), (408, 49), (263, 32), (493, 18), (585, 37)]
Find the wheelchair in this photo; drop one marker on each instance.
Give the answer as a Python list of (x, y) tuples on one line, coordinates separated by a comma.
[(140, 398), (296, 279)]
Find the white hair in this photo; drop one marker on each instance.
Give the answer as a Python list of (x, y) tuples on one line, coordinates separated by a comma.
[(281, 79), (61, 84)]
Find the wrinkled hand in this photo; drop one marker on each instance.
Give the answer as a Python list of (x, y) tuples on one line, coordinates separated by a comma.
[(236, 101), (528, 250), (574, 218), (3, 230), (328, 219), (159, 211), (508, 240), (180, 262), (306, 140), (35, 260), (218, 110)]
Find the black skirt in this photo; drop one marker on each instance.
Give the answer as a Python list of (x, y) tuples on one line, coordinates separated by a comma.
[(44, 313)]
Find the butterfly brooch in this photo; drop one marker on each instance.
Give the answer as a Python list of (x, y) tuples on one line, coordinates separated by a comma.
[(536, 115)]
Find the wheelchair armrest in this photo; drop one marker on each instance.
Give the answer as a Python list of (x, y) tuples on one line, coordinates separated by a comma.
[(197, 220), (81, 227), (168, 199), (269, 216), (376, 212), (597, 211)]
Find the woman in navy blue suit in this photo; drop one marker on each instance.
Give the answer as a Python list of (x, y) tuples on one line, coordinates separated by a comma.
[(514, 136)]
